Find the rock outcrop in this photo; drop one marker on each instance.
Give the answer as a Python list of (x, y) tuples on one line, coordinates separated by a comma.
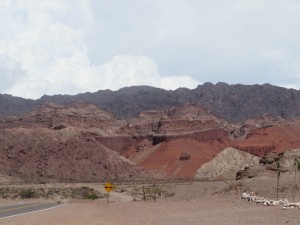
[(226, 165)]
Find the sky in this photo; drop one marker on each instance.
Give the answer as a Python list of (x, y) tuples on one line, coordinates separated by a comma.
[(76, 46)]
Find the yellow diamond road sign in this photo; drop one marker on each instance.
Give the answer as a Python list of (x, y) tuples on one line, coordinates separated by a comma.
[(108, 187)]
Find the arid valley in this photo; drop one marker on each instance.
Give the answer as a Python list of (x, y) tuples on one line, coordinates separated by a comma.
[(160, 112), (179, 164)]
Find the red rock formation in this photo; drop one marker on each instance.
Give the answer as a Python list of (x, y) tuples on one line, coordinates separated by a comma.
[(79, 140), (187, 118), (277, 138), (166, 156), (256, 150)]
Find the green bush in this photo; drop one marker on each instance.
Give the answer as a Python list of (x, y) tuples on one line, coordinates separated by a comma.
[(27, 193), (91, 196), (89, 193)]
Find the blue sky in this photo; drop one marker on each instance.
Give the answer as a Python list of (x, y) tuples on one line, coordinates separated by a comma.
[(74, 46)]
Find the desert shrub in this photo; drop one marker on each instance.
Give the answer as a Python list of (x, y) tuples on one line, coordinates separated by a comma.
[(169, 195), (27, 193), (4, 192), (91, 196), (89, 193)]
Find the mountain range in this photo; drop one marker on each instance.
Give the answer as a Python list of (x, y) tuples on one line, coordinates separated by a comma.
[(235, 103)]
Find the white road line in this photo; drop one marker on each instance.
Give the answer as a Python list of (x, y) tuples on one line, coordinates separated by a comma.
[(34, 211)]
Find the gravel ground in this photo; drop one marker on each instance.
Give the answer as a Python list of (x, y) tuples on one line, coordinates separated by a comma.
[(191, 204)]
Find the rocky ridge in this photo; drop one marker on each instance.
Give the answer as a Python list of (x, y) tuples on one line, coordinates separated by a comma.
[(235, 103)]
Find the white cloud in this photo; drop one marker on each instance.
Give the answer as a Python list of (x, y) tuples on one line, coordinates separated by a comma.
[(126, 70), (230, 40), (173, 82), (51, 56), (72, 46), (74, 75)]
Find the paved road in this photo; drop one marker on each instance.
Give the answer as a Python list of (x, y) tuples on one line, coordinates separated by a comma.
[(24, 208)]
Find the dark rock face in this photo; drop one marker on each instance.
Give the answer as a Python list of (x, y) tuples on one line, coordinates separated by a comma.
[(185, 156), (246, 173), (15, 106), (269, 158), (235, 103), (240, 102)]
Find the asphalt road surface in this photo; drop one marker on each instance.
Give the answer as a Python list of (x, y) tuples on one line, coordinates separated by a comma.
[(24, 208)]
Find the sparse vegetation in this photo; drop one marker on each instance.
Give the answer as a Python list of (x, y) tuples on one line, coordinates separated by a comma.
[(89, 193), (27, 193), (278, 169), (297, 168), (169, 195), (91, 196), (152, 192), (31, 191)]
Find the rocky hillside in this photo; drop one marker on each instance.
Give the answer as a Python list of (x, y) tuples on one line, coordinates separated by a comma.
[(235, 103), (66, 155), (75, 114), (81, 142), (60, 144)]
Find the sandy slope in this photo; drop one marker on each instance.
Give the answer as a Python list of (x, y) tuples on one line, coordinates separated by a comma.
[(166, 156)]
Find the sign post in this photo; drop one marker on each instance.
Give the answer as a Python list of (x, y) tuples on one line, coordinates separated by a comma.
[(108, 187)]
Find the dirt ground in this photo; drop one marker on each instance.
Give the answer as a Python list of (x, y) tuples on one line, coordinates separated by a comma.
[(205, 203)]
